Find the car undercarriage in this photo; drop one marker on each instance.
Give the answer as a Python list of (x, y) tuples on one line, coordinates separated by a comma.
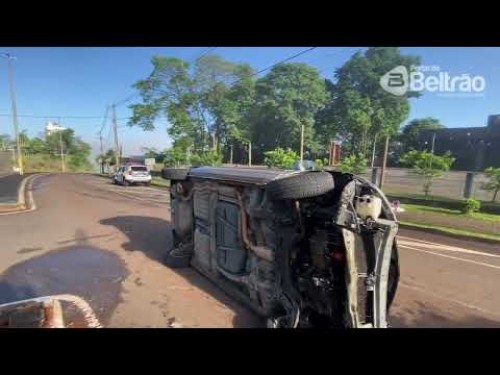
[(303, 249)]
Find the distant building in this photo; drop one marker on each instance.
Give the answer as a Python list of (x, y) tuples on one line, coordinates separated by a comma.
[(52, 128), (474, 148)]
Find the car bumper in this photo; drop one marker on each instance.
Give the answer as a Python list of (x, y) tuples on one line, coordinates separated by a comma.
[(138, 179)]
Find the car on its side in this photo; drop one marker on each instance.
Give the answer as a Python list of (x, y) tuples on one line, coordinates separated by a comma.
[(132, 173), (301, 248)]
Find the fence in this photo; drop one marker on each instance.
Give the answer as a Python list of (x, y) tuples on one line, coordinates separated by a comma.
[(451, 185)]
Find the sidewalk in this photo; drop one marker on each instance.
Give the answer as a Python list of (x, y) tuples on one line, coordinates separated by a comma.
[(9, 186)]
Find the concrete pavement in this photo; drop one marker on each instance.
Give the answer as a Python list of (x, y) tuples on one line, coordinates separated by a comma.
[(106, 243)]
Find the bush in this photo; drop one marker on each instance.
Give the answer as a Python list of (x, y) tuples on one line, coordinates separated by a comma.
[(280, 158), (354, 163), (470, 205), (321, 163), (207, 158)]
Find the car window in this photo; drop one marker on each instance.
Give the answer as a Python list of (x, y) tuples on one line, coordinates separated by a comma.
[(139, 169)]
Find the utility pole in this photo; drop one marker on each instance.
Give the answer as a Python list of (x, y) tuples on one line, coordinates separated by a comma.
[(302, 145), (384, 162), (100, 138), (117, 148), (63, 166), (231, 154), (102, 153), (373, 151), (14, 110), (249, 153)]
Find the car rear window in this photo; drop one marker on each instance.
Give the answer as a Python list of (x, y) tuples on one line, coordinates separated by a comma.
[(139, 169)]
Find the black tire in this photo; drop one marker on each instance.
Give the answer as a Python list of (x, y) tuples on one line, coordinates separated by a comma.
[(179, 174), (303, 185), (177, 259)]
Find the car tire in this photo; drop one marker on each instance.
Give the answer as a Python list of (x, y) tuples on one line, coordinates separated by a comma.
[(303, 185), (179, 174), (178, 259)]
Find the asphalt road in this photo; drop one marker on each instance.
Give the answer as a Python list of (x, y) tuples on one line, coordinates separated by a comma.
[(106, 243), (8, 188)]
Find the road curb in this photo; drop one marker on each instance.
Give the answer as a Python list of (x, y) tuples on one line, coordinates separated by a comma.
[(448, 234), (23, 204)]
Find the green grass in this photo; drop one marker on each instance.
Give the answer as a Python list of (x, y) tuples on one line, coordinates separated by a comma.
[(160, 182), (455, 213), (463, 232)]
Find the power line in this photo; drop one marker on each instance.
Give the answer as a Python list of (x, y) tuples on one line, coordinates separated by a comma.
[(284, 60), (105, 118), (137, 93), (61, 117), (276, 64)]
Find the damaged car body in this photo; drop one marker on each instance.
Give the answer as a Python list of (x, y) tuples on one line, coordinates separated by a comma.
[(301, 248)]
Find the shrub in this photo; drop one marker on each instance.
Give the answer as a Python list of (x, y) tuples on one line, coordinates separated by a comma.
[(280, 158), (470, 205)]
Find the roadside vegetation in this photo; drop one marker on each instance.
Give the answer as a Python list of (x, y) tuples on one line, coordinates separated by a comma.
[(43, 154)]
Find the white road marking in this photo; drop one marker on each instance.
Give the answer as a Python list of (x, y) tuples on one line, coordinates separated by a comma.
[(439, 247), (461, 303), (451, 257)]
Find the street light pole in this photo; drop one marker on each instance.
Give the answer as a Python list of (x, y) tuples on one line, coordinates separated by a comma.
[(9, 58), (302, 145)]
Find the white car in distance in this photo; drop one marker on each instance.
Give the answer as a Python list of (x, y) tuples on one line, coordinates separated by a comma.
[(129, 174)]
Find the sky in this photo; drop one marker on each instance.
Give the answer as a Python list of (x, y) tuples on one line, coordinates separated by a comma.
[(74, 85)]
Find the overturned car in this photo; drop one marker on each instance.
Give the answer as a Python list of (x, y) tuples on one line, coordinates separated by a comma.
[(301, 248)]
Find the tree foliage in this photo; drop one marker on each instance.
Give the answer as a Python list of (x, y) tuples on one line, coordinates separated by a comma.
[(215, 104), (280, 158), (493, 184), (409, 135), (354, 163), (427, 165), (359, 107)]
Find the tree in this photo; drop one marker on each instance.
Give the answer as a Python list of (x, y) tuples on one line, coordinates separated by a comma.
[(280, 158), (189, 97), (5, 141), (494, 181), (354, 163), (287, 98), (409, 136), (427, 165), (361, 108)]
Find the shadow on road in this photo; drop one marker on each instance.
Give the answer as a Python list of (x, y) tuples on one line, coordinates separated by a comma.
[(418, 315), (90, 273), (153, 237)]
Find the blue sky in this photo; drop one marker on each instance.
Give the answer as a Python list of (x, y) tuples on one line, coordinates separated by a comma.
[(63, 83)]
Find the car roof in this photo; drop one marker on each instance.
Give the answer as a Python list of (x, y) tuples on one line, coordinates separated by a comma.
[(246, 175)]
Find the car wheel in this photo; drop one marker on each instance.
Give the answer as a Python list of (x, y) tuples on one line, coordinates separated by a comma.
[(179, 256), (304, 185)]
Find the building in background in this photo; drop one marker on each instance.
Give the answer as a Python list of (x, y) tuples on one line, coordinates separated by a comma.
[(474, 148), (52, 127)]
